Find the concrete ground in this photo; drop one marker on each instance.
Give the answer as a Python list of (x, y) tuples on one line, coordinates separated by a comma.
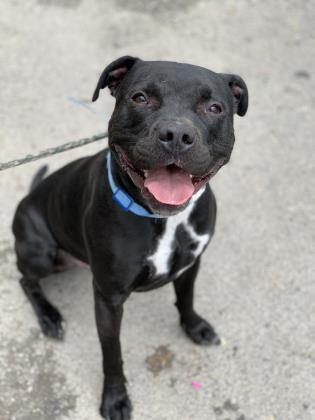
[(257, 282)]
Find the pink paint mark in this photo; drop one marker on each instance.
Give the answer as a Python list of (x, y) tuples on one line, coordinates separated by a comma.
[(196, 384)]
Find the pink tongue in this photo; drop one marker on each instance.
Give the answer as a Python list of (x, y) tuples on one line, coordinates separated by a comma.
[(169, 185)]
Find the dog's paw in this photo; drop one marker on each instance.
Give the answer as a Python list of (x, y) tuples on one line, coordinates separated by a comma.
[(116, 405), (201, 332), (51, 322)]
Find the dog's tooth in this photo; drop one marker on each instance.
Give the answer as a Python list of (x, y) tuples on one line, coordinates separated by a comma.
[(145, 172)]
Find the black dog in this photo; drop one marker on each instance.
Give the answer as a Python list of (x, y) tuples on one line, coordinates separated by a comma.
[(141, 213)]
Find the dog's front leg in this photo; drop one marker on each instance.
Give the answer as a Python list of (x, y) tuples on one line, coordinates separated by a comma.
[(197, 328), (108, 312)]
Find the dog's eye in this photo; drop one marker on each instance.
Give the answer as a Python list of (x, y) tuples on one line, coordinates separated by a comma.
[(215, 109), (139, 98)]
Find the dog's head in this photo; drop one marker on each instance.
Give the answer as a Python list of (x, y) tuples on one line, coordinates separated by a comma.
[(172, 126)]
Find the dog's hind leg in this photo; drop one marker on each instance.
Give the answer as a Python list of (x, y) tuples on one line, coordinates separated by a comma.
[(36, 252), (49, 318)]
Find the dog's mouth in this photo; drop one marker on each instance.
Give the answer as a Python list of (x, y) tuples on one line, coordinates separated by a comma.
[(170, 184)]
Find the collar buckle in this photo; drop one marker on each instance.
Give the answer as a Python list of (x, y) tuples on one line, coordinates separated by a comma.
[(122, 199)]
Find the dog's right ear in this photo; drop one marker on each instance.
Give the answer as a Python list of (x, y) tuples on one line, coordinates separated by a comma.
[(113, 74)]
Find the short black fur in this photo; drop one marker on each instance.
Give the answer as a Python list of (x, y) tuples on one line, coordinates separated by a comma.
[(165, 114)]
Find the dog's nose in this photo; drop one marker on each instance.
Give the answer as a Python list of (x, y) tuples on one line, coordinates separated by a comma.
[(176, 136)]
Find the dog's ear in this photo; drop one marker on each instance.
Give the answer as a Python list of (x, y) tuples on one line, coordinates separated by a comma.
[(239, 92), (113, 74)]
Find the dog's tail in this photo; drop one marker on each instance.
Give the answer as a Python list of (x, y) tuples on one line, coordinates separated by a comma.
[(37, 178)]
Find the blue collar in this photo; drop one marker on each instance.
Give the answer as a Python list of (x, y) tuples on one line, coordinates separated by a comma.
[(123, 199)]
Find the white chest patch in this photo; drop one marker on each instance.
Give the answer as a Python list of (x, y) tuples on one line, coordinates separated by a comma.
[(163, 254)]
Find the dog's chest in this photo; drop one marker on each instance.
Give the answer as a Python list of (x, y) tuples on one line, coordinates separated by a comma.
[(175, 250)]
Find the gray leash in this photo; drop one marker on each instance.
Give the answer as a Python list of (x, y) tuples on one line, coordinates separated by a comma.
[(52, 151)]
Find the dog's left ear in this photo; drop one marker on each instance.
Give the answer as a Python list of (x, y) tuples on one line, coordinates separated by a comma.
[(239, 92), (113, 74)]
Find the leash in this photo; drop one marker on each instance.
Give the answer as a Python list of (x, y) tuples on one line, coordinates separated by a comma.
[(52, 151), (63, 147)]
